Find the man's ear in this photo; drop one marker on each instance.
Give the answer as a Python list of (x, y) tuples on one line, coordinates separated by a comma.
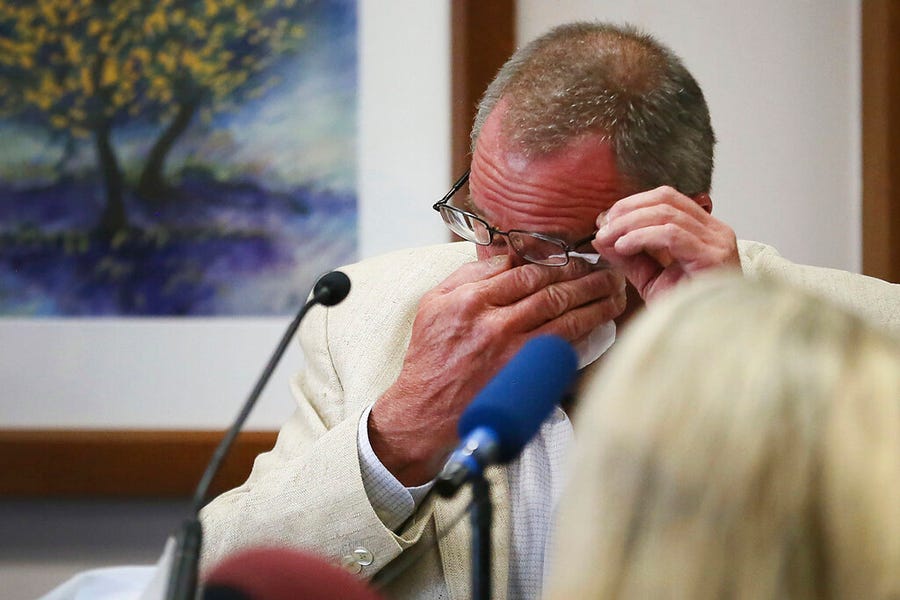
[(704, 201)]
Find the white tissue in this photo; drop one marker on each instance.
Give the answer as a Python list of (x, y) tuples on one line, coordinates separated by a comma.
[(596, 343)]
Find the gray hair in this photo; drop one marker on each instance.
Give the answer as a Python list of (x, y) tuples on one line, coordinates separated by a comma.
[(614, 81)]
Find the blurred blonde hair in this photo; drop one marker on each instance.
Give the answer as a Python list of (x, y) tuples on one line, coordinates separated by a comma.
[(742, 441)]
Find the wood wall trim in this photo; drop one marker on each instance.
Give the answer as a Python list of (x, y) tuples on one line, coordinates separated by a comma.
[(483, 36), (881, 138), (120, 463)]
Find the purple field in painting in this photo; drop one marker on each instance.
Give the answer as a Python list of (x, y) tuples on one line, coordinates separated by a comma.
[(221, 248)]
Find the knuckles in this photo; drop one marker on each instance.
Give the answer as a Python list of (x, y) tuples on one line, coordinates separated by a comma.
[(479, 309), (673, 233), (555, 300)]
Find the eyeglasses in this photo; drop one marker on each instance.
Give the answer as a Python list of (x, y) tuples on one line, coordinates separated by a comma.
[(534, 247)]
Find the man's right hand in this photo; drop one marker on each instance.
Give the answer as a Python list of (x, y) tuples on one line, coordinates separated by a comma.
[(465, 330)]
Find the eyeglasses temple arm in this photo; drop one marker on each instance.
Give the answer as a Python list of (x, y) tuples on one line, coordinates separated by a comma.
[(459, 183), (583, 241)]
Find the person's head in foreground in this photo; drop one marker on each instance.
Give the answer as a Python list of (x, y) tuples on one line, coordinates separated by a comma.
[(743, 441)]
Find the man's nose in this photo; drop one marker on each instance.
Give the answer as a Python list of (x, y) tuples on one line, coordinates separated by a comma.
[(500, 245)]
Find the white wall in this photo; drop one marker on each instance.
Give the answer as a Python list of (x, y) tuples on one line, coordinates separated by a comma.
[(782, 81)]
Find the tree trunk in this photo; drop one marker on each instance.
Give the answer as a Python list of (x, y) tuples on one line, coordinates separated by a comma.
[(152, 184), (113, 218)]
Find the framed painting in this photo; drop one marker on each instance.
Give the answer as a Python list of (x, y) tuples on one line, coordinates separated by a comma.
[(140, 301), (174, 158)]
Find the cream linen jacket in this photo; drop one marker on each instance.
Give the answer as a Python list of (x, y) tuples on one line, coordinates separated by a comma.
[(307, 492)]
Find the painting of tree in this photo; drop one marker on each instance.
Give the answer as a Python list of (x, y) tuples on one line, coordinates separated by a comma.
[(136, 186)]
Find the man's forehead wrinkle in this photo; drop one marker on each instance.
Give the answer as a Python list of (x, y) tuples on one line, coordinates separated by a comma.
[(525, 198)]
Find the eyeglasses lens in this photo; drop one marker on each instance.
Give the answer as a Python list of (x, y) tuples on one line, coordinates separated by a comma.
[(538, 250), (465, 226)]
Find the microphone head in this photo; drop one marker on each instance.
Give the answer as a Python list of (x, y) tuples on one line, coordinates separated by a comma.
[(282, 574), (518, 399), (331, 288)]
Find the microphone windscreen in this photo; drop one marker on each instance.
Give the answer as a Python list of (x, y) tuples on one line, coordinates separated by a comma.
[(518, 399), (282, 574), (331, 288)]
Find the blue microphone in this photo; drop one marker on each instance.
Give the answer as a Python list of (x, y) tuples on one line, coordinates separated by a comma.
[(508, 412)]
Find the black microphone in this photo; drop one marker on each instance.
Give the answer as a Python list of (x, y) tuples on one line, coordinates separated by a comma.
[(330, 289), (508, 412)]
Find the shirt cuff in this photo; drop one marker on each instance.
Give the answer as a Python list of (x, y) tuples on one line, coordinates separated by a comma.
[(392, 501)]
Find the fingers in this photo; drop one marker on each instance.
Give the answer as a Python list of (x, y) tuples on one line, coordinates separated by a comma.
[(660, 197), (494, 282), (575, 324), (666, 241), (498, 283), (695, 246), (662, 206), (558, 299), (525, 280), (657, 237), (471, 323), (669, 226), (524, 298), (478, 270), (519, 301)]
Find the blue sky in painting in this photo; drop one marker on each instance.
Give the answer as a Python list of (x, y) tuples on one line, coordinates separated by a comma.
[(315, 108)]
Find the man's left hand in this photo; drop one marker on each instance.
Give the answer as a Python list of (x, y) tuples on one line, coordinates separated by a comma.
[(658, 237)]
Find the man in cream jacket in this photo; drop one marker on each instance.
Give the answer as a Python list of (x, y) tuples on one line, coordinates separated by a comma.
[(588, 196)]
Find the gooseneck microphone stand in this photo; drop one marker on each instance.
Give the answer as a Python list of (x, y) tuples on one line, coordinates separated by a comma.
[(480, 517), (502, 418), (329, 290), (479, 449)]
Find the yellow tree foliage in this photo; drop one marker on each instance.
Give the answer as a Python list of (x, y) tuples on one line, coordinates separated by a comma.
[(74, 64), (61, 61), (83, 67)]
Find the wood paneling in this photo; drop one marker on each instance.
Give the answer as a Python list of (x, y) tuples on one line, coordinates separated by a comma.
[(483, 36), (881, 138), (120, 463)]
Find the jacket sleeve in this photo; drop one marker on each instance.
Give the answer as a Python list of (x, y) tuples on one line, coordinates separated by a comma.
[(872, 299), (307, 492)]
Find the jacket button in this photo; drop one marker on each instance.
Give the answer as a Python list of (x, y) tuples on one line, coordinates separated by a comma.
[(363, 557), (355, 561)]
